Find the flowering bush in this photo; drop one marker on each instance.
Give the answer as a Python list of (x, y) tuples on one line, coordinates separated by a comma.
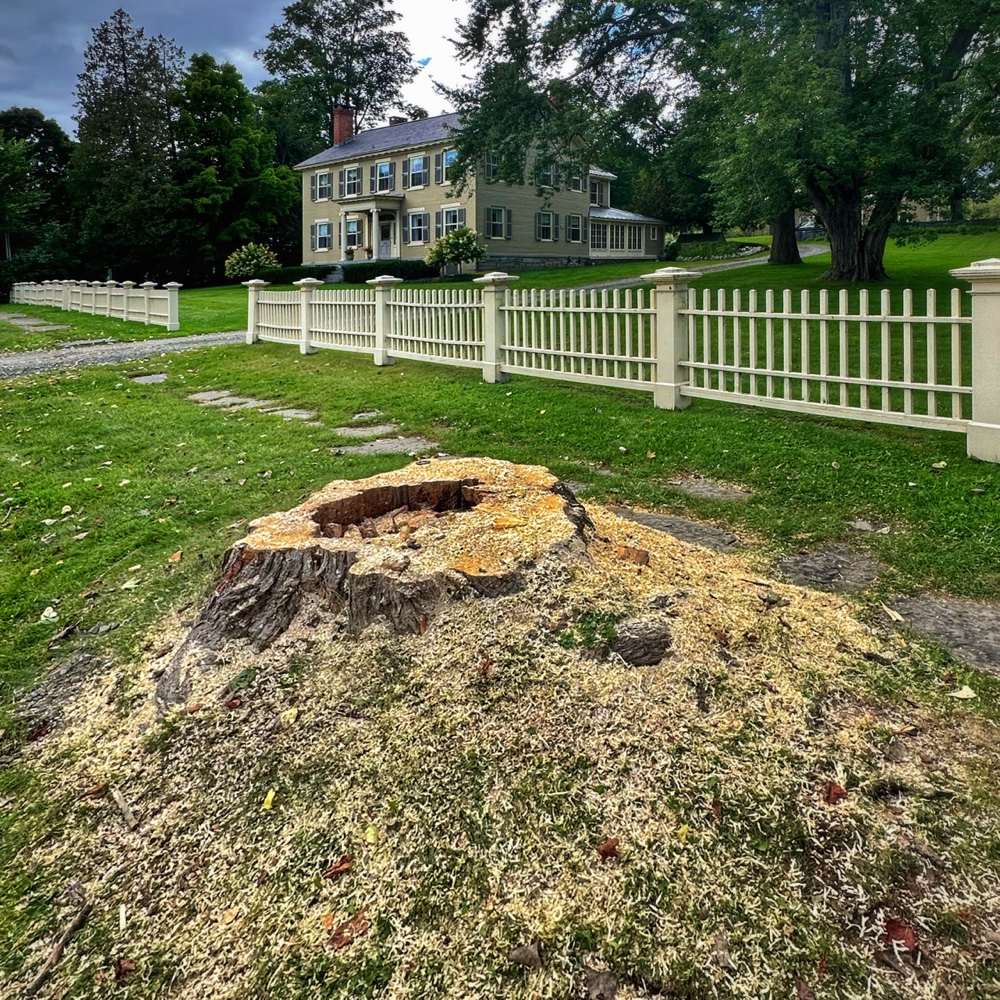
[(250, 261), (460, 246)]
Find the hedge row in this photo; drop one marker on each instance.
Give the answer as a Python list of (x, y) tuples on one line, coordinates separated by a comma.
[(286, 275), (411, 270)]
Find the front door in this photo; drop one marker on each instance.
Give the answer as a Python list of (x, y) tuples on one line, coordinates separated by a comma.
[(386, 239)]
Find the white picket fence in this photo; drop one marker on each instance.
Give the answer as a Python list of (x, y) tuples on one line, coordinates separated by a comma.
[(854, 355), (126, 300)]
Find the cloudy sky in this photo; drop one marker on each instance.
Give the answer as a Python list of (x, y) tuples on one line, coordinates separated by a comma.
[(42, 42)]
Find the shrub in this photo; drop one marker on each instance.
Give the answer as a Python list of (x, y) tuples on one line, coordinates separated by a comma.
[(410, 270), (286, 275), (460, 246), (250, 261)]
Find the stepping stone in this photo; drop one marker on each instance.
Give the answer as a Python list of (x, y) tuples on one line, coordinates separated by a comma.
[(372, 430), (707, 489), (367, 415), (10, 317), (687, 531), (46, 329), (836, 568), (150, 379), (238, 403), (228, 400), (207, 397), (87, 343), (969, 630), (388, 446), (293, 414)]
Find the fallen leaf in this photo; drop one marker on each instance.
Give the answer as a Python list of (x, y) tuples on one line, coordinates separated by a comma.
[(176, 557), (269, 800), (609, 849), (131, 583), (125, 482), (371, 834), (49, 615), (803, 991), (339, 867), (328, 921), (123, 966), (228, 917), (894, 615), (682, 833), (638, 556), (834, 793), (721, 637), (79, 537), (650, 454), (965, 693), (234, 703), (623, 449), (95, 790), (720, 952), (66, 510), (717, 811), (529, 955), (193, 709), (899, 932), (949, 677), (349, 931), (289, 717), (38, 732), (940, 465)]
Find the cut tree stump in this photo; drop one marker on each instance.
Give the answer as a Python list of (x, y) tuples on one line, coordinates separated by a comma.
[(393, 548)]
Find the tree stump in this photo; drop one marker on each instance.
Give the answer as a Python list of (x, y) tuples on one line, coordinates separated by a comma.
[(392, 548)]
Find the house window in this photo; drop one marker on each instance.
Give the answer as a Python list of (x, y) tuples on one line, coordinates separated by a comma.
[(653, 233), (635, 237), (547, 174), (319, 236), (452, 220), (450, 159), (574, 228), (598, 236), (386, 177), (352, 180), (420, 225), (595, 193), (420, 171), (543, 226), (354, 232), (576, 182), (617, 237), (323, 186), (491, 166), (495, 219)]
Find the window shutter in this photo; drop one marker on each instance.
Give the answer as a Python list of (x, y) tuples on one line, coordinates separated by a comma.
[(406, 174), (555, 225), (312, 235), (461, 216), (510, 224), (438, 224), (585, 230), (312, 189), (439, 168), (372, 179), (342, 182), (569, 228), (392, 175), (487, 223), (538, 226), (406, 218)]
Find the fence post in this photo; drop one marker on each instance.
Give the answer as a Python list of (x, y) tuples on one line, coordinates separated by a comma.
[(306, 288), (109, 286), (670, 342), (94, 285), (495, 285), (983, 434), (67, 295), (147, 289), (173, 307), (383, 317), (254, 288)]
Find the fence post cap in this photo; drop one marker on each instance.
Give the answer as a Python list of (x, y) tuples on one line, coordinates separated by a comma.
[(496, 278), (173, 284), (128, 284), (307, 282), (384, 279), (989, 268), (671, 274), (256, 283), (97, 284), (149, 284)]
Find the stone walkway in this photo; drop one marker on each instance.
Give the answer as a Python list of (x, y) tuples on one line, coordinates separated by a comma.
[(14, 363), (29, 322)]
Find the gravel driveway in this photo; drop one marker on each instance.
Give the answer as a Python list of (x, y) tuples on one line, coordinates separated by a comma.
[(15, 363)]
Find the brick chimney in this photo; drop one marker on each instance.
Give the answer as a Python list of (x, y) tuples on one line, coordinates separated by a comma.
[(343, 123), (396, 120)]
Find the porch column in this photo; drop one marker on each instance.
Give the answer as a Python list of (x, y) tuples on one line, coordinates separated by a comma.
[(343, 235), (376, 235)]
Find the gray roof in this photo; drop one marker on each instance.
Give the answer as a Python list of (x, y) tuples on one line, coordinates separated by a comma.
[(620, 215), (600, 172), (419, 132)]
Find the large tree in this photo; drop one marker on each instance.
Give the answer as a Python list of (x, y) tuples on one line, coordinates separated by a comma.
[(122, 172), (228, 189), (48, 149), (865, 103), (343, 52)]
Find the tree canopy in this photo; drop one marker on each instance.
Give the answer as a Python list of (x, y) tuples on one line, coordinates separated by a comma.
[(341, 52)]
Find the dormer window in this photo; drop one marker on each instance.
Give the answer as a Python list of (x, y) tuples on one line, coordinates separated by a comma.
[(547, 174), (595, 193), (491, 166)]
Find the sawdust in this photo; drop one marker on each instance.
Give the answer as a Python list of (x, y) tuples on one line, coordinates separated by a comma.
[(471, 774)]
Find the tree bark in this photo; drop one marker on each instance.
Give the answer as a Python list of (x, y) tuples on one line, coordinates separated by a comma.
[(784, 248)]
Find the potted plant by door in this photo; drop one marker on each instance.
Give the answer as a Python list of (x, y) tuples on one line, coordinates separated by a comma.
[(368, 252), (349, 253)]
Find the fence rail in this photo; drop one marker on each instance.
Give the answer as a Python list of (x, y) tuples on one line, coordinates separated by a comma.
[(143, 303), (863, 357)]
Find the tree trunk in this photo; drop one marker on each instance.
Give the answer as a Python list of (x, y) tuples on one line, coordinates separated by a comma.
[(784, 249)]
